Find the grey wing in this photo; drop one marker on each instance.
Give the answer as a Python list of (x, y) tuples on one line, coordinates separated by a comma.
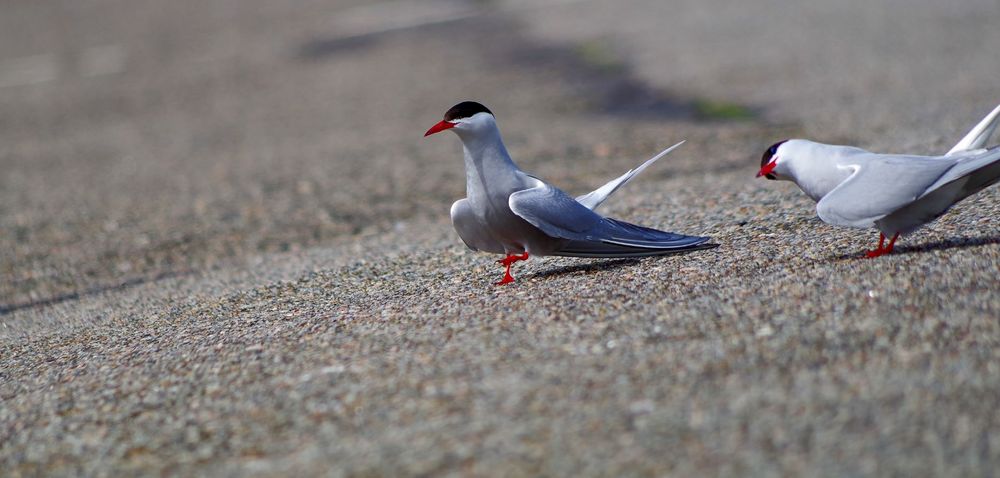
[(879, 185), (966, 178), (594, 198), (982, 166), (554, 212), (471, 230), (559, 215)]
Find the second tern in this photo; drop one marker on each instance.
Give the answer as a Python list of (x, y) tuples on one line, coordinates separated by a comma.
[(894, 193)]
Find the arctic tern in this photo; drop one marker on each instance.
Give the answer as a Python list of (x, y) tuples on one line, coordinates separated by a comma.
[(895, 193), (510, 212)]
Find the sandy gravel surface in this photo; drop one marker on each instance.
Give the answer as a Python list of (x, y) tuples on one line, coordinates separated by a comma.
[(224, 246)]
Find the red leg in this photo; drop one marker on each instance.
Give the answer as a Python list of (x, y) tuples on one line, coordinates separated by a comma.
[(878, 251), (892, 242), (508, 261), (882, 248), (507, 278)]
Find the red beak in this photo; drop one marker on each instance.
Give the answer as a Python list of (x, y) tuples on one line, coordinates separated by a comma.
[(768, 168), (443, 125)]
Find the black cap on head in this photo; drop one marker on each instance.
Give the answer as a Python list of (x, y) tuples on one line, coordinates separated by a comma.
[(465, 109), (766, 158)]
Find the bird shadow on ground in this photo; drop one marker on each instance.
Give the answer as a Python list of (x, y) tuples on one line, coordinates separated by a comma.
[(612, 264), (950, 243), (76, 295), (599, 265)]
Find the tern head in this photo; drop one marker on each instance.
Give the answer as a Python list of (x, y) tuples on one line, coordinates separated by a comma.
[(771, 164), (467, 117)]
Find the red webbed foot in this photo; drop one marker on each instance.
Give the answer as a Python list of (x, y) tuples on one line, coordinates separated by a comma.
[(507, 262)]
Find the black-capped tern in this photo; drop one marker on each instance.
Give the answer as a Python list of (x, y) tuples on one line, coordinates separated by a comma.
[(508, 211), (895, 193)]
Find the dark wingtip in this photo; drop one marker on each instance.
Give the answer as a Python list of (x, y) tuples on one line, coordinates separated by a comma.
[(465, 109)]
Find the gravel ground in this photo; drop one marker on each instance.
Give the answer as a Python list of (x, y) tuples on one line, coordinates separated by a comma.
[(224, 246)]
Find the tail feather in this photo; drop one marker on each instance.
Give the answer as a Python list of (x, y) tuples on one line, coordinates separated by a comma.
[(604, 250), (966, 178), (594, 198), (622, 239), (982, 166), (632, 235), (976, 137)]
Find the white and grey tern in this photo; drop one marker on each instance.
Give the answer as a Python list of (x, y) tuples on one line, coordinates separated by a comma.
[(895, 193), (510, 212)]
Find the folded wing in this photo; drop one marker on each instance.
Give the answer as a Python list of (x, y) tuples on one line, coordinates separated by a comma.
[(589, 234), (878, 186)]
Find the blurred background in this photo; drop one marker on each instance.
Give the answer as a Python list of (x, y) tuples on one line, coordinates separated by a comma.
[(143, 139), (225, 246)]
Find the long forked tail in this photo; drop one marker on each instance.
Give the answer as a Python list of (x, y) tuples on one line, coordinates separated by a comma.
[(621, 239), (594, 198), (977, 137)]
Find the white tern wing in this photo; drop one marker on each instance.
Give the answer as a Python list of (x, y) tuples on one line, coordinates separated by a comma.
[(594, 198), (879, 185)]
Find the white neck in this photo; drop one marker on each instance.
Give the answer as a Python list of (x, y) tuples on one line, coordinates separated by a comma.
[(487, 163), (818, 168)]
